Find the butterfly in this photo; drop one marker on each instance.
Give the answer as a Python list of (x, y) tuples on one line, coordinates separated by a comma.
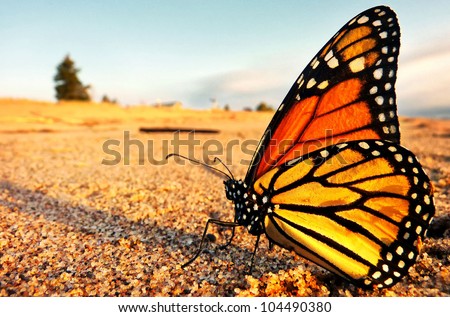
[(329, 178)]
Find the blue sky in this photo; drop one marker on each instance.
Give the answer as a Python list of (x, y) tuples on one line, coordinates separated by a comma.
[(239, 52)]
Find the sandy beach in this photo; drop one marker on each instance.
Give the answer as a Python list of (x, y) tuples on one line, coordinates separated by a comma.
[(90, 207)]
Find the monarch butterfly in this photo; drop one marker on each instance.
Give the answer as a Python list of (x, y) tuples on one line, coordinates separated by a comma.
[(329, 178)]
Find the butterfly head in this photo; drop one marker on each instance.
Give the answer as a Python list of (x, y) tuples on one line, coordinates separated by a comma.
[(250, 209)]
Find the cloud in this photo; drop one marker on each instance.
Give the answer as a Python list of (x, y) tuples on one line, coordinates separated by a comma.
[(241, 88), (424, 78), (266, 78)]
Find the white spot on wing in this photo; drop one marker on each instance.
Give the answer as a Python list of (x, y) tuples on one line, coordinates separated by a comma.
[(333, 62), (393, 128), (314, 66), (389, 256), (323, 84), (418, 229), (376, 23), (357, 64), (324, 153), (379, 100), (378, 73), (376, 274), (398, 157), (311, 83), (389, 281), (383, 35), (363, 19), (329, 55), (292, 162), (364, 145)]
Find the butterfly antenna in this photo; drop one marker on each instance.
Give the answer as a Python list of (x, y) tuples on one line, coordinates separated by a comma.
[(203, 164), (221, 162)]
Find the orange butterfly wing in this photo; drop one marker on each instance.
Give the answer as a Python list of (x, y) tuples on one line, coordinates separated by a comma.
[(345, 93)]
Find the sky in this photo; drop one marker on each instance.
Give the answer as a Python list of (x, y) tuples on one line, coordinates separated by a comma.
[(236, 52)]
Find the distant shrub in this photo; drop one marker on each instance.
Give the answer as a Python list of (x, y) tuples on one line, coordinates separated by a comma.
[(106, 99), (262, 106)]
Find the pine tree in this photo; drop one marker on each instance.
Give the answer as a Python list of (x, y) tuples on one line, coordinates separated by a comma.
[(68, 86)]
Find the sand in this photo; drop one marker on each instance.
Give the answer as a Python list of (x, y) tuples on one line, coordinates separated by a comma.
[(72, 226)]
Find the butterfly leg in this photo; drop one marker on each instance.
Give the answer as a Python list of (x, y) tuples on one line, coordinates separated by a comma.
[(253, 255), (200, 248), (222, 247)]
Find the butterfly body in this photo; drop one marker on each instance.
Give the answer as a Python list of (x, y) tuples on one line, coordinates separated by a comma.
[(250, 207), (329, 178)]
